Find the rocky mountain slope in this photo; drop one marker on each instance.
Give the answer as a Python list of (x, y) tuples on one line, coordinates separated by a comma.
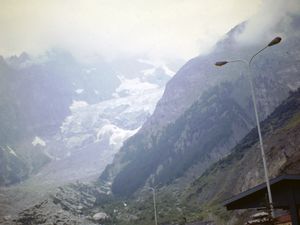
[(179, 147), (243, 168), (198, 201), (84, 140), (68, 205), (204, 112), (76, 115), (93, 133)]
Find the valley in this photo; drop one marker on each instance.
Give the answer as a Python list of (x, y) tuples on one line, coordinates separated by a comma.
[(121, 134)]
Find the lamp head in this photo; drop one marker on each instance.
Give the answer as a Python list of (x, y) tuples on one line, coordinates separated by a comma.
[(275, 41), (221, 63)]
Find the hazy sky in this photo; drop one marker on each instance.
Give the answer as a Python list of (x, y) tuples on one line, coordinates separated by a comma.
[(158, 29)]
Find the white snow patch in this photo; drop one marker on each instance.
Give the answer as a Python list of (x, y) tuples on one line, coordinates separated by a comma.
[(88, 71), (79, 91), (115, 135), (78, 104), (148, 72), (156, 65), (134, 87), (11, 151), (294, 86), (168, 71), (148, 62), (38, 141), (76, 140)]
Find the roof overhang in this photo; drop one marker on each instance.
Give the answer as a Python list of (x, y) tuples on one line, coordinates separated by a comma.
[(284, 189)]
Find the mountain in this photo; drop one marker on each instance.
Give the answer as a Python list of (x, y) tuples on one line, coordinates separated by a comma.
[(54, 108), (192, 149), (93, 133), (36, 93), (200, 200), (33, 89), (84, 139), (243, 168), (204, 112), (173, 154)]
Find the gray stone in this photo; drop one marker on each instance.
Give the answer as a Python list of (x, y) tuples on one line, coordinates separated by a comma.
[(100, 216)]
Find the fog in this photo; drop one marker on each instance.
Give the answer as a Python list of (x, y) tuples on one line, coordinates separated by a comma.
[(100, 100), (156, 29), (273, 18)]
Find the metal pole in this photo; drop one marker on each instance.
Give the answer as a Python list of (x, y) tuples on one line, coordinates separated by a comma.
[(261, 142), (154, 205), (275, 41), (249, 75)]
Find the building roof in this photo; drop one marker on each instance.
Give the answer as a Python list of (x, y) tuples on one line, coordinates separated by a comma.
[(252, 198)]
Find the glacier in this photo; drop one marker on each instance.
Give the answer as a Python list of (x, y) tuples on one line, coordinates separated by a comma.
[(92, 134)]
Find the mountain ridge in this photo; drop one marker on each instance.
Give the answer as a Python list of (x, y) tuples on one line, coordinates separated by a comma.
[(242, 169), (275, 75)]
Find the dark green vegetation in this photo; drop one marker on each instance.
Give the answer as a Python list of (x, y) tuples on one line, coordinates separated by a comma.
[(242, 169)]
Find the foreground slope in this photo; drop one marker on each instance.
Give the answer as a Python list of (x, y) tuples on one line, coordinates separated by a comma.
[(243, 168)]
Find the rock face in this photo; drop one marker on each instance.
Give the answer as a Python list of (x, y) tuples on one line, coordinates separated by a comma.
[(82, 141), (243, 168), (72, 204), (204, 112), (17, 165), (77, 197), (196, 138), (39, 215), (101, 216)]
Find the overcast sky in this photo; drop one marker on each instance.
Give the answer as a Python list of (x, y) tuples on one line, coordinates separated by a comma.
[(159, 29)]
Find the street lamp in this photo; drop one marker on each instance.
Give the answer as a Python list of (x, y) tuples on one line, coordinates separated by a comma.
[(248, 64), (154, 204)]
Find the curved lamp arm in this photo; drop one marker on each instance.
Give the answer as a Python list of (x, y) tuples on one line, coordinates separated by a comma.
[(222, 63)]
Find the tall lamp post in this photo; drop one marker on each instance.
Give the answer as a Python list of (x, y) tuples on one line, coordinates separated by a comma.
[(248, 64), (154, 204)]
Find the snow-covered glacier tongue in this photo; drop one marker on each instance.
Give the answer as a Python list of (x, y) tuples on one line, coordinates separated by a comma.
[(112, 121), (93, 133)]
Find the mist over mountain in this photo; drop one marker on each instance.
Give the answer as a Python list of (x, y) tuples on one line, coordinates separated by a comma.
[(112, 121), (205, 111), (45, 88), (74, 115)]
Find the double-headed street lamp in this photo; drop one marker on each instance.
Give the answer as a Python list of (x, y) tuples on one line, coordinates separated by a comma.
[(248, 64)]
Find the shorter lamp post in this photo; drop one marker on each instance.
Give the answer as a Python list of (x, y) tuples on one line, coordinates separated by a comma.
[(154, 204), (248, 64)]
